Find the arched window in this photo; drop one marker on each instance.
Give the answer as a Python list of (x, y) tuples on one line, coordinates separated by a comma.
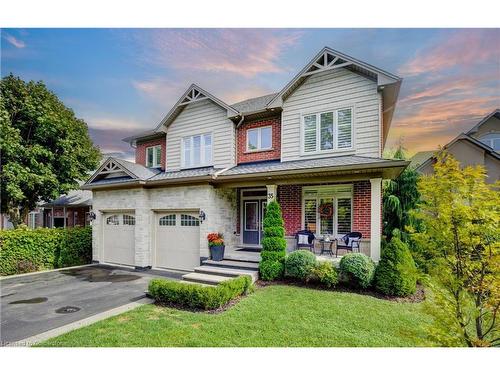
[(167, 220), (189, 221), (128, 220), (112, 220)]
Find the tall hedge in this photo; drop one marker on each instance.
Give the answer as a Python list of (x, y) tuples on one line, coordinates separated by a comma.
[(396, 273), (23, 250), (273, 253)]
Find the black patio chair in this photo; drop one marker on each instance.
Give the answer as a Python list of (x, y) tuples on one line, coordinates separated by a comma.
[(349, 242), (310, 240)]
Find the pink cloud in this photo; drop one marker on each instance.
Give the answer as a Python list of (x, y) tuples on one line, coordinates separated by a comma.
[(13, 40), (244, 52), (464, 48)]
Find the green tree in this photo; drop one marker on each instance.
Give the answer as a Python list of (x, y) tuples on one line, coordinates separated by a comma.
[(400, 196), (273, 253), (45, 149), (460, 214)]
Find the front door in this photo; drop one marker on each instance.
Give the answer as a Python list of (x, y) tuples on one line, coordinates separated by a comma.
[(253, 213)]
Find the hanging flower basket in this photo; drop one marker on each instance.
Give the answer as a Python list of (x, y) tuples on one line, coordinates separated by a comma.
[(325, 210)]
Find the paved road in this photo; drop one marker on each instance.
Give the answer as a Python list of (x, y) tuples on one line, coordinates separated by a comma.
[(34, 304)]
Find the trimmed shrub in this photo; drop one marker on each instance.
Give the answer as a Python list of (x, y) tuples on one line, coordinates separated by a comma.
[(273, 256), (323, 272), (298, 264), (357, 269), (273, 244), (23, 250), (396, 273), (198, 296), (271, 270)]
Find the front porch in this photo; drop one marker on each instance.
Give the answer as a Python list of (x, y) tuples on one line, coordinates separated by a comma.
[(328, 209)]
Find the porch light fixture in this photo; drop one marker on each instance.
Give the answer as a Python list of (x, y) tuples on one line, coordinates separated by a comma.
[(202, 216), (92, 216)]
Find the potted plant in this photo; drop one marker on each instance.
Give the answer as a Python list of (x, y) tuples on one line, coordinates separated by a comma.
[(216, 246)]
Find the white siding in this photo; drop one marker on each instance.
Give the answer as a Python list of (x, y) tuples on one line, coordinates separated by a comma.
[(197, 118), (331, 90)]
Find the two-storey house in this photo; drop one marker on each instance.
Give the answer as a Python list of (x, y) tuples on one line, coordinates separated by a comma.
[(315, 146)]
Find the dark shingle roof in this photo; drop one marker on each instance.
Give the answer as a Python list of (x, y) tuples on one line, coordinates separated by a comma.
[(421, 157), (253, 104), (277, 166), (139, 170), (186, 173), (73, 198)]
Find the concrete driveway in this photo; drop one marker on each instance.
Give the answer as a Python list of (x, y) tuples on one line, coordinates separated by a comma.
[(33, 304)]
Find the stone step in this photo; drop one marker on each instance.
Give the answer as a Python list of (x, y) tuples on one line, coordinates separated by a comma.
[(226, 271), (204, 278), (244, 265), (243, 257), (194, 283)]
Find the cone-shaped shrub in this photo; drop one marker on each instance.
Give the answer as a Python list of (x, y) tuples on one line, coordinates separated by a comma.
[(396, 273), (273, 244)]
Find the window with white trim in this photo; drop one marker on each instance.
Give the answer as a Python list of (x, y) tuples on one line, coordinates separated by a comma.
[(260, 139), (197, 151), (492, 140), (328, 209), (327, 131), (153, 156)]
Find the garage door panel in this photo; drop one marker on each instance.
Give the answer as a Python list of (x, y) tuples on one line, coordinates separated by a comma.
[(178, 241), (119, 238)]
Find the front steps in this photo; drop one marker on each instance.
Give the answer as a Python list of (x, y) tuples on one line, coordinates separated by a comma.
[(213, 273)]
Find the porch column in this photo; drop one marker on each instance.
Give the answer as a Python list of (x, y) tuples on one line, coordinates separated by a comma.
[(375, 221), (271, 193)]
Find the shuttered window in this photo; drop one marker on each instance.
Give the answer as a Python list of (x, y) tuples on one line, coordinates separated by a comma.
[(328, 131), (197, 151), (344, 214)]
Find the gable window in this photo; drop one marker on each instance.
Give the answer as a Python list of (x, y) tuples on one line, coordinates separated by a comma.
[(492, 140), (260, 139), (327, 210), (327, 131), (197, 151), (153, 157)]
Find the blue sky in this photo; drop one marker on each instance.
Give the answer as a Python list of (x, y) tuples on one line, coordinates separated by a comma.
[(123, 81)]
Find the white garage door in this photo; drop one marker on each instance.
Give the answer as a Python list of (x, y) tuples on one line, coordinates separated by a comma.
[(178, 240), (119, 238)]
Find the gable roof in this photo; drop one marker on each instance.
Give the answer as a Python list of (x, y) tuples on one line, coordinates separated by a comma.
[(114, 170), (466, 138), (74, 198), (495, 113), (421, 157), (330, 59), (193, 94)]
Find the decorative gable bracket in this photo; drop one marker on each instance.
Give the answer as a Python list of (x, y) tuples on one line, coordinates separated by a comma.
[(326, 61), (194, 95)]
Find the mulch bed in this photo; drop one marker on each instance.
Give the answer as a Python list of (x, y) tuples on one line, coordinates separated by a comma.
[(419, 295)]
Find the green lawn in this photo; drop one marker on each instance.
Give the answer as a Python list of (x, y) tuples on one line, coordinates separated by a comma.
[(272, 316)]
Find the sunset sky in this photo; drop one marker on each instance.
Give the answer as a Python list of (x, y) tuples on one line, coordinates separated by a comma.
[(123, 81)]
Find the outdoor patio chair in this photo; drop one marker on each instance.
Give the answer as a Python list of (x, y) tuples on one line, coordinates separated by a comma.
[(304, 238), (349, 242)]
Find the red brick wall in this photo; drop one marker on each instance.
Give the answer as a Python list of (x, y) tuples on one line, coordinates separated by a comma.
[(140, 151), (290, 200), (361, 220), (241, 138)]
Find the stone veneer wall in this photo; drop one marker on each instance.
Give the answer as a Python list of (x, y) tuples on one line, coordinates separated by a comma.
[(219, 206)]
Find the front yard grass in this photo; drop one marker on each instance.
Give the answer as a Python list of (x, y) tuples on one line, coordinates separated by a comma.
[(276, 315)]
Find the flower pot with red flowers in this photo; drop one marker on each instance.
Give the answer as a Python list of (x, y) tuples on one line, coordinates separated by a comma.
[(216, 246)]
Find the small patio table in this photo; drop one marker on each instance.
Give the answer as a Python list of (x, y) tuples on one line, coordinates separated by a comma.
[(326, 246)]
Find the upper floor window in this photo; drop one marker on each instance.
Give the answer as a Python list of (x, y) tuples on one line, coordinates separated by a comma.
[(327, 131), (260, 139), (153, 157), (197, 151), (492, 140)]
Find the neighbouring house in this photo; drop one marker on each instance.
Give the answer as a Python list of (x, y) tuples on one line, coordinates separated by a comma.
[(315, 146), (479, 146)]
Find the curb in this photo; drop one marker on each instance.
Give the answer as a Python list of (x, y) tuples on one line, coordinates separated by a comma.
[(33, 340), (46, 271)]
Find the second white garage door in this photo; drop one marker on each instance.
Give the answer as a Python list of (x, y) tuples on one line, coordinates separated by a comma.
[(178, 240)]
